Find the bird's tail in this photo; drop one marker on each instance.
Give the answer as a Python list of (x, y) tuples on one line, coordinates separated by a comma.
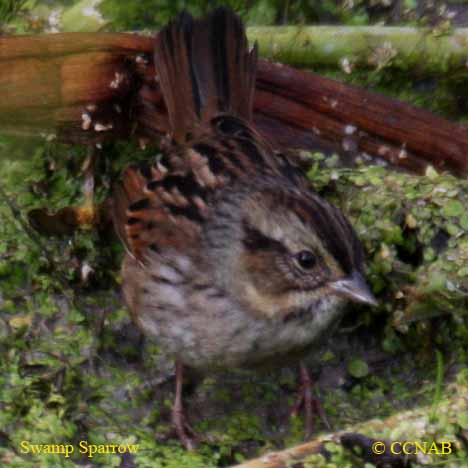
[(205, 69)]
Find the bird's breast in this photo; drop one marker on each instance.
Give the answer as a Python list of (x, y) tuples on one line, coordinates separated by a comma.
[(204, 327)]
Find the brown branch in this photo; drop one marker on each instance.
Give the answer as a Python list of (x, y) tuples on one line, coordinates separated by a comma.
[(358, 444), (285, 458), (48, 81), (347, 137), (428, 136), (88, 88)]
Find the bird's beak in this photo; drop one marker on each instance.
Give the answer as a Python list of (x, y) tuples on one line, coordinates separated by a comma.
[(354, 288)]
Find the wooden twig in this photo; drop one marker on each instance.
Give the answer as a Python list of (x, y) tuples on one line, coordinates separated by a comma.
[(285, 458), (412, 425), (358, 444)]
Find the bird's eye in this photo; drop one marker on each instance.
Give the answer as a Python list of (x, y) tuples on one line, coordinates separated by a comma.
[(306, 259)]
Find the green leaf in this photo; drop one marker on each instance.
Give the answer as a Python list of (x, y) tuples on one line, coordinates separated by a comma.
[(358, 368), (453, 208)]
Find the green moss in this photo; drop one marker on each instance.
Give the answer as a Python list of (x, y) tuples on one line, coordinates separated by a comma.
[(73, 367), (412, 228), (69, 360)]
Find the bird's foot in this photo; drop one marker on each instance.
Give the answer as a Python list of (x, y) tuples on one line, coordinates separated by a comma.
[(183, 430), (309, 403)]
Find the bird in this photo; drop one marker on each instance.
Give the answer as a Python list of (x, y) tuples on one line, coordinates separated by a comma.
[(231, 258)]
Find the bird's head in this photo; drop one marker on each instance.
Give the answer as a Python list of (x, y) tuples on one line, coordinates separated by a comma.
[(289, 253)]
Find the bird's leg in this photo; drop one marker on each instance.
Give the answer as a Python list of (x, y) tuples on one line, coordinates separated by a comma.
[(308, 402), (178, 416)]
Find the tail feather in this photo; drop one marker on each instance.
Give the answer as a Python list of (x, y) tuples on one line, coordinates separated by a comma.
[(205, 69)]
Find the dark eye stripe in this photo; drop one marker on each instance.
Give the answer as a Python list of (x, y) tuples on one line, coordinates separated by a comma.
[(257, 241)]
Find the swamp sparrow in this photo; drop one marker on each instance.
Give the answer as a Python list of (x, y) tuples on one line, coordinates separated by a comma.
[(232, 259)]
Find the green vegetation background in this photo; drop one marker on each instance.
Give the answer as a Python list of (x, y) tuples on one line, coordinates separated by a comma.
[(73, 367)]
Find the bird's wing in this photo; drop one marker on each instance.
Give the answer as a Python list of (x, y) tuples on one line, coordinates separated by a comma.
[(207, 77)]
